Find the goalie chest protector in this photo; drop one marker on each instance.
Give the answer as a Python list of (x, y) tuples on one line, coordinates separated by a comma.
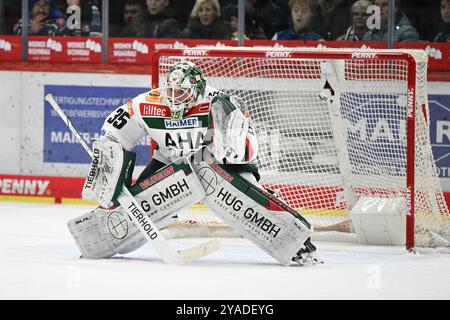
[(185, 135)]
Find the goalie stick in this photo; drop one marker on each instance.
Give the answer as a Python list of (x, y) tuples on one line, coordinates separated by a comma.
[(144, 223)]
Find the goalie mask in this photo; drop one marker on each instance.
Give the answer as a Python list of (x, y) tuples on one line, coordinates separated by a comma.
[(184, 86)]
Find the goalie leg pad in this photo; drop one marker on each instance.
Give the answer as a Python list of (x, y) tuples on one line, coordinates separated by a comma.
[(102, 233), (256, 214)]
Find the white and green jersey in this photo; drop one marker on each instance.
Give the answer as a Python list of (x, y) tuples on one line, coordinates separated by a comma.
[(149, 113)]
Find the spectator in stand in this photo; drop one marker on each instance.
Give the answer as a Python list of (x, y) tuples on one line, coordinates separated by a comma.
[(424, 16), (182, 10), (44, 19), (61, 5), (403, 30), (359, 14), (205, 23), (252, 29), (3, 18), (160, 22), (333, 18), (271, 15), (116, 23), (134, 17), (302, 13), (91, 20), (10, 13), (444, 35)]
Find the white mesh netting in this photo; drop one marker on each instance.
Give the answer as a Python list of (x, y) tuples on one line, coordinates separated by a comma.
[(331, 130)]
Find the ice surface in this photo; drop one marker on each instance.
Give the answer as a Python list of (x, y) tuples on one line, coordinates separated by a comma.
[(39, 260)]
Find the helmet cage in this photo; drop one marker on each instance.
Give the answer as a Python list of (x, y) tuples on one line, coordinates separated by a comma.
[(184, 86)]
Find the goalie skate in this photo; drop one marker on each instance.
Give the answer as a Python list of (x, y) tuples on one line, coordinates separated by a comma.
[(307, 255)]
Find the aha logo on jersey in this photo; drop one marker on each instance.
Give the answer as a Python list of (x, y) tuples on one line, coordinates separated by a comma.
[(184, 123)]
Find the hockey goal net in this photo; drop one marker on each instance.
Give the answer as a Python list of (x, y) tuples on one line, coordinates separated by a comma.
[(333, 125)]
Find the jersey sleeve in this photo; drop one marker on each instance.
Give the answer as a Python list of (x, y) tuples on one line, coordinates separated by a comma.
[(123, 126)]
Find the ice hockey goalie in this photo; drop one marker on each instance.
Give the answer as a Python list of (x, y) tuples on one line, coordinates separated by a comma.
[(198, 126)]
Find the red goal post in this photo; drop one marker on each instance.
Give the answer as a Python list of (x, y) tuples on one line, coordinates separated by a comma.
[(354, 76)]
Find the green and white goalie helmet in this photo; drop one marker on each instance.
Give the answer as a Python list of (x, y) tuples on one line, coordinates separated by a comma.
[(184, 86)]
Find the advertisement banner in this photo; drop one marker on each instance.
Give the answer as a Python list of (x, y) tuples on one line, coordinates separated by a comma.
[(438, 53), (439, 106), (372, 126), (10, 48), (138, 50), (40, 186), (79, 49), (87, 107), (65, 49)]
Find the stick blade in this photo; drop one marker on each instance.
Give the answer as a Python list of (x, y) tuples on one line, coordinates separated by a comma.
[(197, 252)]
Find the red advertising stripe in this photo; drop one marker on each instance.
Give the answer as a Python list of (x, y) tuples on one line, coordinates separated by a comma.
[(43, 48), (137, 51), (438, 53), (71, 187), (40, 186), (65, 49), (10, 48), (82, 49), (129, 51)]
